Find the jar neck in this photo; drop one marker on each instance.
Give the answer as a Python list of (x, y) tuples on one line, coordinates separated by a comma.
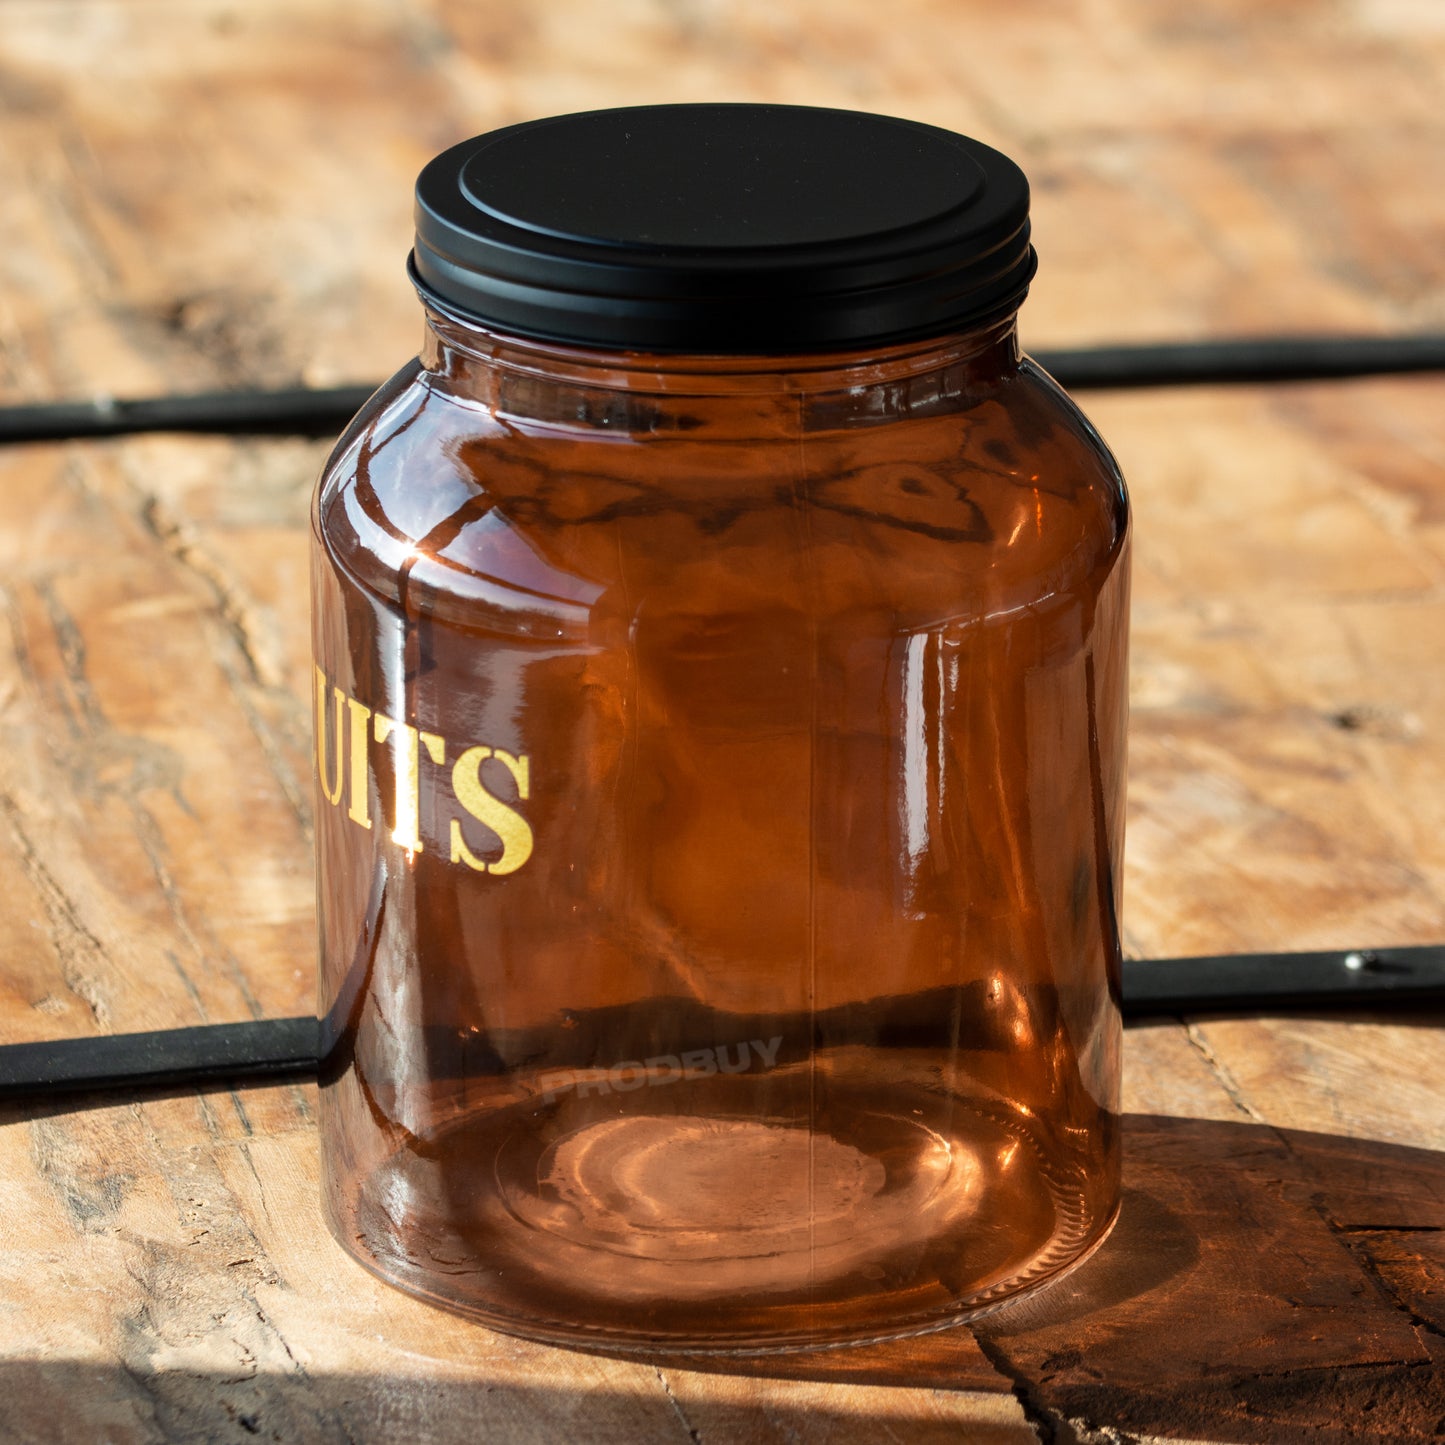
[(518, 376)]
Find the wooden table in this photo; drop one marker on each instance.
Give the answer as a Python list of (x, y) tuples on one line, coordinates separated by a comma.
[(208, 193)]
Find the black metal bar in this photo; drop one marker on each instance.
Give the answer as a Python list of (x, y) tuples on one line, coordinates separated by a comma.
[(1259, 983), (301, 411), (219, 1054), (208, 1054), (320, 412), (1246, 360)]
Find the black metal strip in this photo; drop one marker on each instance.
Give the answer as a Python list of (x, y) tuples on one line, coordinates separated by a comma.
[(265, 1049), (209, 1054), (321, 412), (301, 411), (1263, 983), (1245, 360)]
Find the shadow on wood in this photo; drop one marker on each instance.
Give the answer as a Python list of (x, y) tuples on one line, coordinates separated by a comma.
[(1262, 1285)]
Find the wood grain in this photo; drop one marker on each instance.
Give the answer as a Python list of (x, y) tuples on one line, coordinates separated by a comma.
[(201, 193)]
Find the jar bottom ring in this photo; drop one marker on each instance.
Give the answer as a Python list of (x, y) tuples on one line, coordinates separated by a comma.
[(734, 1226)]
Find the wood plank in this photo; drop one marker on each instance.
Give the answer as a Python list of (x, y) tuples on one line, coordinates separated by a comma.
[(231, 204)]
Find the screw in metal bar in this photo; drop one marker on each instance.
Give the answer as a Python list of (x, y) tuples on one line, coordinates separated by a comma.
[(1360, 961)]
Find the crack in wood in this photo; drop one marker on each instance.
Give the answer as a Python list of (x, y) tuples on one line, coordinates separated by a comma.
[(1386, 1228), (1370, 1268), (146, 830), (233, 611), (297, 794), (693, 1433), (77, 948), (1226, 1080), (1050, 1427), (231, 604)]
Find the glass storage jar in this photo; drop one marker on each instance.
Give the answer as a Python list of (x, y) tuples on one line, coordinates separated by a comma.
[(720, 641)]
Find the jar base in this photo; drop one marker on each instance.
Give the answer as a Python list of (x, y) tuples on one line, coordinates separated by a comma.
[(734, 1228)]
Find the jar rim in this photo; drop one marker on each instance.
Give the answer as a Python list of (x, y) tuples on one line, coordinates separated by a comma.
[(469, 341)]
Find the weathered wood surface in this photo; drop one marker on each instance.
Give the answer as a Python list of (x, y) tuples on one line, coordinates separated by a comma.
[(197, 193)]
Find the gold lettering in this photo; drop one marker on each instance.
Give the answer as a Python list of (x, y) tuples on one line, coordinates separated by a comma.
[(360, 810), (510, 826), (331, 792), (362, 727), (406, 763)]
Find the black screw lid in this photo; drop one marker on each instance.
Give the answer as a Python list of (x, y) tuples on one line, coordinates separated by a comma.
[(723, 229)]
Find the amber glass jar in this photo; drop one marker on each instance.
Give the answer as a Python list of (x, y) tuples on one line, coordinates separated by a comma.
[(720, 644)]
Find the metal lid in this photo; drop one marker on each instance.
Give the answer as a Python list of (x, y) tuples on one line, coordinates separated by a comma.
[(723, 229)]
